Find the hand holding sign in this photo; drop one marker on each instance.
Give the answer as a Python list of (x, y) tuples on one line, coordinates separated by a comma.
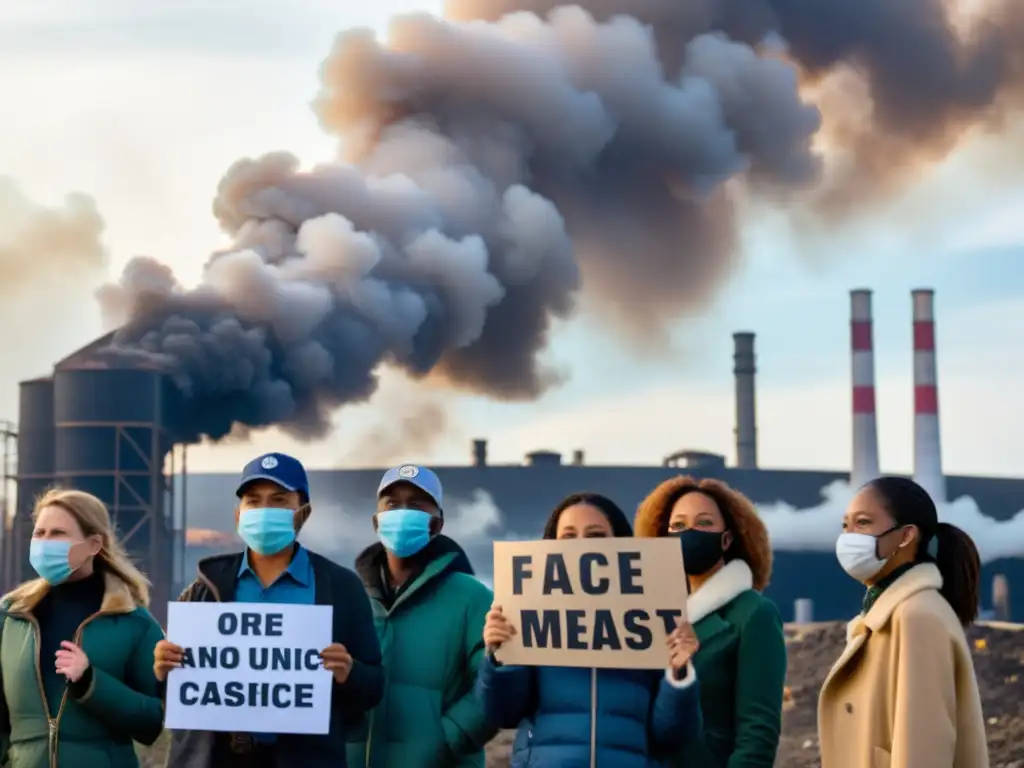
[(252, 667), (497, 629), (682, 644), (337, 659), (166, 656), (599, 602)]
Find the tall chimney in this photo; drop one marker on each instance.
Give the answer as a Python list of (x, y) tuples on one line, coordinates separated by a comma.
[(479, 453), (927, 442), (746, 407), (865, 424)]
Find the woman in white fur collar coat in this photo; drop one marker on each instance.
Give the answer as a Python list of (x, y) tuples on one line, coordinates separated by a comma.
[(741, 662)]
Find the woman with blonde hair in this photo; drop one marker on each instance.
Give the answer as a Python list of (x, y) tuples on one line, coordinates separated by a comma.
[(76, 646), (741, 660)]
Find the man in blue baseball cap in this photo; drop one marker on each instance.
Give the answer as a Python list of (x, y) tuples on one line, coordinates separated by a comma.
[(273, 505), (430, 613)]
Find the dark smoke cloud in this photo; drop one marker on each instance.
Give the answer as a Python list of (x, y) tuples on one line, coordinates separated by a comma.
[(495, 164), (931, 72), (490, 166)]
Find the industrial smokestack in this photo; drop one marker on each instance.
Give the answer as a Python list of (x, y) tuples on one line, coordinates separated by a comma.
[(479, 453), (865, 424), (746, 407), (927, 442)]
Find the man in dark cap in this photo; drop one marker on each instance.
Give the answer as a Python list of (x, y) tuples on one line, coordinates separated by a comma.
[(273, 505), (430, 612)]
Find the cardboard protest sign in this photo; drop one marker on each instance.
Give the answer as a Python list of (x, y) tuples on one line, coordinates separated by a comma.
[(249, 667), (609, 602)]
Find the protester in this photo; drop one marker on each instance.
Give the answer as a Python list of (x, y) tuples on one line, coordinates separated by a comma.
[(741, 662), (430, 611), (273, 505), (569, 717), (75, 672), (903, 693)]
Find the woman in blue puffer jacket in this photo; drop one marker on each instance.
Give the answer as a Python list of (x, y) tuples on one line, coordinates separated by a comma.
[(571, 717)]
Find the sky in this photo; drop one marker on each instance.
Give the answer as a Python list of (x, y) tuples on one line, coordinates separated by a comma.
[(144, 106)]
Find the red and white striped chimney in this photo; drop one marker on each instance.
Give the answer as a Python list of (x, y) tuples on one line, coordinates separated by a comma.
[(865, 423), (927, 442)]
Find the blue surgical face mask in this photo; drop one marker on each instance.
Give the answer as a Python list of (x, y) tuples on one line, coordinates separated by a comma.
[(49, 558), (404, 532), (268, 530)]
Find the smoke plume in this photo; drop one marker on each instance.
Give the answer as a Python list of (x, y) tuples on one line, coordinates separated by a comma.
[(816, 529), (901, 84), (404, 425), (41, 246), (494, 164)]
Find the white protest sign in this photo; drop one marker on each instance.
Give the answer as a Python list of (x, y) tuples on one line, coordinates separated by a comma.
[(600, 602), (249, 667)]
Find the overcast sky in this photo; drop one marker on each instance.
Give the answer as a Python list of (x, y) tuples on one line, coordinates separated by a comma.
[(144, 106)]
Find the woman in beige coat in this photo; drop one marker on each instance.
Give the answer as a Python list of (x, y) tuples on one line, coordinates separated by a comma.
[(903, 693)]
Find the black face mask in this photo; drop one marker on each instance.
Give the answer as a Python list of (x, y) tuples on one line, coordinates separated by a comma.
[(701, 549)]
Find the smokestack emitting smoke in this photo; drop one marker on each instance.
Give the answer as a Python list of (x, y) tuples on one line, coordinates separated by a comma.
[(927, 440), (745, 369), (494, 165), (865, 425)]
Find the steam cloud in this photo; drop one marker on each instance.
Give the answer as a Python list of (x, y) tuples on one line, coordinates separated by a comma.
[(495, 163), (816, 529)]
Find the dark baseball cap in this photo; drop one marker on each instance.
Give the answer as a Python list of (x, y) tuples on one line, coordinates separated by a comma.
[(280, 468)]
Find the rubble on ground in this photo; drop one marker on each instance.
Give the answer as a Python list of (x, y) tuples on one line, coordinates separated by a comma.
[(998, 661)]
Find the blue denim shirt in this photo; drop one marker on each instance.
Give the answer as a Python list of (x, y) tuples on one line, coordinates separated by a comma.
[(295, 586)]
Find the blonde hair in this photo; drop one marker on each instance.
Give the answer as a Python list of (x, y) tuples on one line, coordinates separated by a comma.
[(93, 518)]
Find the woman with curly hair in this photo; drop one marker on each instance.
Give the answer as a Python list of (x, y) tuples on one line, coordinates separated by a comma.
[(741, 661)]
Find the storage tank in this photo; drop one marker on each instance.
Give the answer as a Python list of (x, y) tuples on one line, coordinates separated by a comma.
[(35, 468), (803, 610), (110, 440)]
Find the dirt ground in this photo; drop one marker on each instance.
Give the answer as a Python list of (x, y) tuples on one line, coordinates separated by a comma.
[(998, 661)]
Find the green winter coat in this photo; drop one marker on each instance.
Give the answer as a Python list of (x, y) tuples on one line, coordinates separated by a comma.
[(741, 665), (121, 705), (431, 639)]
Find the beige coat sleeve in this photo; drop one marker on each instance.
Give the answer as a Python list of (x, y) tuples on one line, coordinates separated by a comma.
[(925, 727)]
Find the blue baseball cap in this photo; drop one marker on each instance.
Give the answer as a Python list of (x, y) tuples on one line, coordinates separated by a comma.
[(421, 477), (280, 468)]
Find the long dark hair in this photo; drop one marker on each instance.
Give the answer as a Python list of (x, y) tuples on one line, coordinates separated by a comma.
[(616, 517), (955, 554)]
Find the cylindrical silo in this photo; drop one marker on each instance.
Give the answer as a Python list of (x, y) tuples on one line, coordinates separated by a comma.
[(1001, 597), (110, 441), (35, 468)]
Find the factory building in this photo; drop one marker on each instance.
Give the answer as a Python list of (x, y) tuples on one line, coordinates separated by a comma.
[(111, 431)]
